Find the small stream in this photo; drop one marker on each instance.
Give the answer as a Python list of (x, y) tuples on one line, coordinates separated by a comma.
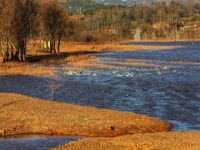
[(158, 83)]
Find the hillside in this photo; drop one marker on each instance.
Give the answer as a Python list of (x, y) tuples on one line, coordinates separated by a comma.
[(131, 2), (126, 2), (81, 6), (87, 6)]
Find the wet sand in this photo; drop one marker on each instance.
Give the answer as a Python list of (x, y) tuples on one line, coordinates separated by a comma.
[(152, 141), (21, 114)]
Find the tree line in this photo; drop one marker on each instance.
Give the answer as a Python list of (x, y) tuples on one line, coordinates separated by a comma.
[(21, 20), (50, 22), (155, 20)]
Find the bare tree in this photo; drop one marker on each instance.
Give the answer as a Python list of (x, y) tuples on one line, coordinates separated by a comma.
[(17, 17), (54, 22)]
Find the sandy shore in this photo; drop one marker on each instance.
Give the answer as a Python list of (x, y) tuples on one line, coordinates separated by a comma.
[(20, 114), (152, 141)]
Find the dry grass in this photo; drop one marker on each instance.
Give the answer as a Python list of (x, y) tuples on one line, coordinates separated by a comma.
[(99, 47), (80, 58), (25, 69)]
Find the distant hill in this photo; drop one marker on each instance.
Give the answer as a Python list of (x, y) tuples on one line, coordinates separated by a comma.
[(84, 6), (125, 2), (89, 6), (131, 2)]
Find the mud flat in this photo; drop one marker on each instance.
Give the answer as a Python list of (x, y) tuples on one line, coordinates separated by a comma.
[(21, 114), (147, 141)]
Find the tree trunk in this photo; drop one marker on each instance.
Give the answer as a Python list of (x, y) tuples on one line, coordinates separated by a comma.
[(7, 50), (21, 56), (16, 56), (54, 45), (51, 45), (21, 50), (47, 45), (59, 41)]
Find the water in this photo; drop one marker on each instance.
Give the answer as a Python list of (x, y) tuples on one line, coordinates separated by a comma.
[(158, 83), (34, 142)]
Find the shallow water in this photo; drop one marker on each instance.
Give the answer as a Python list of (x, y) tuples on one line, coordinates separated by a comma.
[(33, 142), (158, 83)]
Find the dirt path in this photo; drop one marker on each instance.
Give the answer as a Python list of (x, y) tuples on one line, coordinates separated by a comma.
[(20, 114), (153, 141)]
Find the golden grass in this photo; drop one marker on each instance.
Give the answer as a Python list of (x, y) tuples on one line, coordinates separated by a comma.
[(80, 58), (73, 47), (25, 69)]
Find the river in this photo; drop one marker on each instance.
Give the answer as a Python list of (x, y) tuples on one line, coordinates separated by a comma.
[(158, 83)]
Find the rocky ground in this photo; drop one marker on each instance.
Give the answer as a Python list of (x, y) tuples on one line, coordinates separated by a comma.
[(147, 141), (116, 130), (20, 114)]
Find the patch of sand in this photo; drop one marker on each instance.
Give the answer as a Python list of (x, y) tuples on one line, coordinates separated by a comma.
[(21, 114), (152, 141)]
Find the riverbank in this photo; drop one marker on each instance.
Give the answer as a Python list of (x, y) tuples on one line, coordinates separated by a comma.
[(26, 115), (152, 141), (159, 40), (74, 47), (37, 61)]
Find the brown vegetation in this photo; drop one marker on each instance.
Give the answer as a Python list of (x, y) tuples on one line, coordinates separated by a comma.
[(109, 46), (26, 69)]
